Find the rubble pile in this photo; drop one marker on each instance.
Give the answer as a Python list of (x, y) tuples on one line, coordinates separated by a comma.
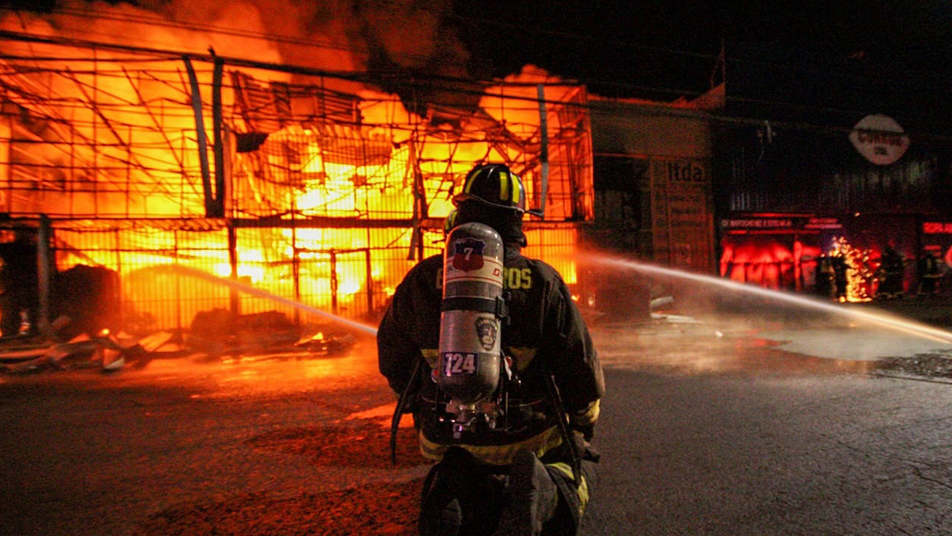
[(215, 335)]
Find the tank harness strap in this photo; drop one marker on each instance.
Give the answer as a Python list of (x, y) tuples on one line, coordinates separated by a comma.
[(495, 306)]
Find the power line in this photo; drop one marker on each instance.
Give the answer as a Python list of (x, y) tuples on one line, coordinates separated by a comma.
[(601, 42), (446, 85)]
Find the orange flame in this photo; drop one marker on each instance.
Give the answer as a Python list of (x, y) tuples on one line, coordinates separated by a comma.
[(107, 133)]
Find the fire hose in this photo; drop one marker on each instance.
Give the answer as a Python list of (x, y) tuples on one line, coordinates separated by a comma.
[(563, 427), (398, 411)]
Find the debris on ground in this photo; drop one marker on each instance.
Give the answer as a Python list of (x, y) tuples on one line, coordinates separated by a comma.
[(383, 508), (929, 365), (222, 335), (367, 440), (214, 336), (34, 354)]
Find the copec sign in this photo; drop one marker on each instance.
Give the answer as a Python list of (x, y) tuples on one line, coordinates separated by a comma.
[(879, 139)]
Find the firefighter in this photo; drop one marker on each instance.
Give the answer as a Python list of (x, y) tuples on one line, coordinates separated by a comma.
[(825, 277), (891, 271), (19, 287), (535, 474), (929, 272), (841, 279)]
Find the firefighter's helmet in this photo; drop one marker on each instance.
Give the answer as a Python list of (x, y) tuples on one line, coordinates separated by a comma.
[(450, 222), (494, 185)]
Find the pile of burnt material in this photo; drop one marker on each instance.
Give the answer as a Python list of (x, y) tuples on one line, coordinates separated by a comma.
[(219, 332)]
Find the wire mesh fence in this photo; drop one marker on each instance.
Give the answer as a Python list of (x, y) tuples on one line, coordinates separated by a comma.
[(184, 272)]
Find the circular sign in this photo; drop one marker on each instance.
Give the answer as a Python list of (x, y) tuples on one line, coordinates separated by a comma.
[(879, 139)]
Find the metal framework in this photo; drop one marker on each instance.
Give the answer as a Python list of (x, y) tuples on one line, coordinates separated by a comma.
[(311, 186)]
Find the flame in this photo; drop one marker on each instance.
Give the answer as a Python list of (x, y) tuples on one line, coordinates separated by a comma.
[(775, 265), (859, 274), (106, 141)]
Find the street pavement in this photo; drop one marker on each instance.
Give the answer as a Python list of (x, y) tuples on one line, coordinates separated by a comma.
[(747, 425), (728, 422)]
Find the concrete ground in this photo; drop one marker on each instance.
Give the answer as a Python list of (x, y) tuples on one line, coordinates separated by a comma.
[(736, 421)]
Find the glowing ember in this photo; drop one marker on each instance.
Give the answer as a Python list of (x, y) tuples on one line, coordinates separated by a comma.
[(859, 273)]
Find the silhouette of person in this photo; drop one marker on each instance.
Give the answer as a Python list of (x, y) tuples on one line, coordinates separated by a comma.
[(929, 272)]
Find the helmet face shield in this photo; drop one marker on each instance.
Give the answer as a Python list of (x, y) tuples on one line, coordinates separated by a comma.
[(495, 185)]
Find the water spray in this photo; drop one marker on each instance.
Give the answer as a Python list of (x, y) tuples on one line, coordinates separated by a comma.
[(248, 289), (897, 324)]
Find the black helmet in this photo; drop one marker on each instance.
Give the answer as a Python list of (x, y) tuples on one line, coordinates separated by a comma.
[(450, 221), (495, 185)]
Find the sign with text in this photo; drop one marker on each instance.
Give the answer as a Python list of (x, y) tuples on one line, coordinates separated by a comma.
[(936, 227), (780, 224), (681, 217), (879, 139)]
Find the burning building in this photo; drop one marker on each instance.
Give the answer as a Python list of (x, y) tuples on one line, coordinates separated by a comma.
[(318, 185)]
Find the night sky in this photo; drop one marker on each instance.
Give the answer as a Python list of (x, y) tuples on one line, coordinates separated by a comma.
[(838, 59), (615, 41)]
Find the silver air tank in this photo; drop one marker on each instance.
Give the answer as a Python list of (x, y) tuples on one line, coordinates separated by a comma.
[(470, 356)]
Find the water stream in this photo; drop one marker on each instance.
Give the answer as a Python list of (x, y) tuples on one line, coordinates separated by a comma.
[(253, 291), (898, 324)]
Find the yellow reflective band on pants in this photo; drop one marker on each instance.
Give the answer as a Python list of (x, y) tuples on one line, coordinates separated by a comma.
[(566, 470), (432, 356), (496, 454)]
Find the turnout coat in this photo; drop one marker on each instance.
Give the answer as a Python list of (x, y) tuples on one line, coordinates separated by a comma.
[(544, 334)]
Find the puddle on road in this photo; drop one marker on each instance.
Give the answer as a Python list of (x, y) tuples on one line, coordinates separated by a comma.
[(688, 345)]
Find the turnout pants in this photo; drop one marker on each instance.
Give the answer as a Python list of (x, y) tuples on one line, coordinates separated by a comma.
[(462, 492)]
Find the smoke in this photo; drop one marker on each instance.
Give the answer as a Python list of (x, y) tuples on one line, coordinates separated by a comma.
[(342, 35)]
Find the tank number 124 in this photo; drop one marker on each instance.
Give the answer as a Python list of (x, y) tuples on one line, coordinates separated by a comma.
[(459, 363)]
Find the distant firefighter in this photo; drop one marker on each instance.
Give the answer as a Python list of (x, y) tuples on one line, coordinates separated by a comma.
[(890, 274), (929, 272), (825, 277), (840, 277)]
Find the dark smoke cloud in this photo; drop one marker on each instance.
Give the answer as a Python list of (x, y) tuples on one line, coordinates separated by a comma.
[(340, 35)]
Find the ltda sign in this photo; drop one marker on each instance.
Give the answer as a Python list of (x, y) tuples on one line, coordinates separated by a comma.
[(879, 139)]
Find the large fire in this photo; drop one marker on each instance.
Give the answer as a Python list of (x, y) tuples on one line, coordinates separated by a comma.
[(311, 182)]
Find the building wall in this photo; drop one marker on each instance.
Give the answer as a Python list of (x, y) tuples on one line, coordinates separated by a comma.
[(642, 129), (653, 179), (835, 198)]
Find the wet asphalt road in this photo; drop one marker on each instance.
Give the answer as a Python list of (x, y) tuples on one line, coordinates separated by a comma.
[(790, 454), (707, 428)]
